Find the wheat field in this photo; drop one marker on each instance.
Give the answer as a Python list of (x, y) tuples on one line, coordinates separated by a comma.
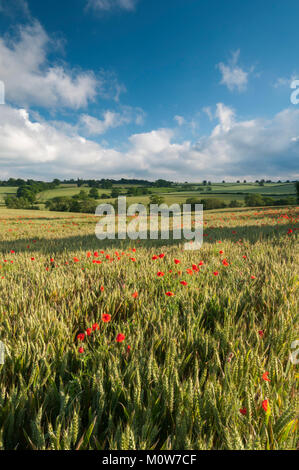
[(142, 345)]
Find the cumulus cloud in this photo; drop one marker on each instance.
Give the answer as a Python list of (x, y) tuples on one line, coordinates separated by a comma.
[(254, 148), (233, 76), (107, 5), (40, 149), (30, 80), (226, 117), (234, 149), (110, 119)]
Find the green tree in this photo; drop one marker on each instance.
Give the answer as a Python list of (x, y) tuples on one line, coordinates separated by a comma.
[(156, 199), (235, 203), (209, 204), (82, 195), (94, 193), (13, 202), (26, 192), (253, 200), (162, 183), (106, 184), (59, 204), (115, 193), (192, 201)]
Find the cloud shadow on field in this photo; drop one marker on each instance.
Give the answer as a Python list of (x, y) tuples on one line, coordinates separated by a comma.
[(74, 243)]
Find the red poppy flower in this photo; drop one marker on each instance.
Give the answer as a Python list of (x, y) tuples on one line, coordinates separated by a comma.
[(169, 294), (88, 331), (160, 274), (265, 377), (184, 283), (95, 326), (81, 350), (76, 260), (261, 333), (200, 263), (215, 273), (161, 255), (155, 257), (102, 288), (106, 317), (135, 295), (81, 337), (243, 411), (128, 348), (265, 405), (225, 262), (252, 277), (120, 338), (177, 261)]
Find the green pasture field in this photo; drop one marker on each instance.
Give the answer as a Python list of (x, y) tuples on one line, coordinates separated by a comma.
[(171, 194)]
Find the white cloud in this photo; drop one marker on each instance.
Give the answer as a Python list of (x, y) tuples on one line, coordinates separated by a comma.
[(234, 149), (226, 117), (208, 112), (107, 5), (285, 82), (233, 76), (111, 119), (9, 8), (109, 86), (41, 149), (179, 119), (94, 126), (254, 148), (30, 80)]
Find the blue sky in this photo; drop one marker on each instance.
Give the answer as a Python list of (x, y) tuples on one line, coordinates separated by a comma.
[(179, 89)]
